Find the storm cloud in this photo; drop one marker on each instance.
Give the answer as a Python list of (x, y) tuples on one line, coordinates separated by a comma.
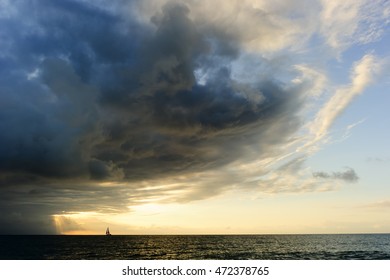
[(98, 103), (348, 175)]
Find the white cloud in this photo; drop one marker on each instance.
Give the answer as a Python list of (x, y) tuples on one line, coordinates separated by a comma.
[(362, 76), (6, 9), (336, 14), (344, 23), (316, 78)]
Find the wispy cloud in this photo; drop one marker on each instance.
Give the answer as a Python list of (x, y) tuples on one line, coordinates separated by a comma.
[(349, 22)]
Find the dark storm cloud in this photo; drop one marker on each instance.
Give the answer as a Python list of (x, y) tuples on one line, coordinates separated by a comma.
[(88, 96), (27, 209), (348, 175)]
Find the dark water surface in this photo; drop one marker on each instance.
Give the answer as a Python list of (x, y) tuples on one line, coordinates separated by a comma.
[(197, 247)]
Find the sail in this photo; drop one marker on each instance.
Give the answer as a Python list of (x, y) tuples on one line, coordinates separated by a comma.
[(108, 231)]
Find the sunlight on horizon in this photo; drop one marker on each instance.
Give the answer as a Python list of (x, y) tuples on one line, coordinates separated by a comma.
[(227, 215)]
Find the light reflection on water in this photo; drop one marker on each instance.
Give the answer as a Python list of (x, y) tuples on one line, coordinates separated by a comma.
[(196, 247)]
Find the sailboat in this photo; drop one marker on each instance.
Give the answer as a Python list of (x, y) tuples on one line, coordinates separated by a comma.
[(108, 231)]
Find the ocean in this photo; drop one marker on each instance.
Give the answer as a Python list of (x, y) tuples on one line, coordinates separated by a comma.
[(196, 247)]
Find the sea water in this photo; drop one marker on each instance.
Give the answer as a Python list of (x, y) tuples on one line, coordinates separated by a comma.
[(197, 247)]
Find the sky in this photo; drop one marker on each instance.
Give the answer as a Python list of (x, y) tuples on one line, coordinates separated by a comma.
[(194, 117)]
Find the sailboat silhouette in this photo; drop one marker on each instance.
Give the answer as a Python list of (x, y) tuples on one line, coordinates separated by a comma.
[(108, 231)]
